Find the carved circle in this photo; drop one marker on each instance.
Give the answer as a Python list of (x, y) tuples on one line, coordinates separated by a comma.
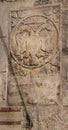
[(33, 41)]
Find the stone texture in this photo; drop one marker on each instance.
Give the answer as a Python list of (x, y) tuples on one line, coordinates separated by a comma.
[(65, 57), (48, 117), (42, 2), (3, 89), (10, 118), (29, 78), (63, 2), (37, 62)]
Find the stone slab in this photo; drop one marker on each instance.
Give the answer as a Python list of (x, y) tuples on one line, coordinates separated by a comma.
[(35, 61)]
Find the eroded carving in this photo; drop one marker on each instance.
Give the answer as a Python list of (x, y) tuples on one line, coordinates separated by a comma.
[(34, 42), (35, 57), (35, 53)]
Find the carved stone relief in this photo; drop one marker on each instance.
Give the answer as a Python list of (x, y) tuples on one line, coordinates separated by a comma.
[(35, 53), (34, 63), (34, 44), (34, 76)]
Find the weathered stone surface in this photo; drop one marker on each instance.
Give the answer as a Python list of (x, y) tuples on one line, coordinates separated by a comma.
[(41, 2), (35, 53), (37, 89), (35, 62), (3, 88), (48, 117), (11, 127), (65, 58), (63, 2), (8, 0), (10, 118)]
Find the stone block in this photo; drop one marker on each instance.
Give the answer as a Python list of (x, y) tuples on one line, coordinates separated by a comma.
[(36, 58)]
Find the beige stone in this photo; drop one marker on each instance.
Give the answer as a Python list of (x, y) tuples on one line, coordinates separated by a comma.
[(34, 48), (34, 37)]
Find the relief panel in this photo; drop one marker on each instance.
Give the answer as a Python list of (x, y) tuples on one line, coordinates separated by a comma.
[(35, 54)]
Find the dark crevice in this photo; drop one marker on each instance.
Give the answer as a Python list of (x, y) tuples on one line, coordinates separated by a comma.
[(65, 51), (29, 124)]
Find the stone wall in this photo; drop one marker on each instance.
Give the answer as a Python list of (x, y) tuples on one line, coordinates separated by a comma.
[(33, 64)]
